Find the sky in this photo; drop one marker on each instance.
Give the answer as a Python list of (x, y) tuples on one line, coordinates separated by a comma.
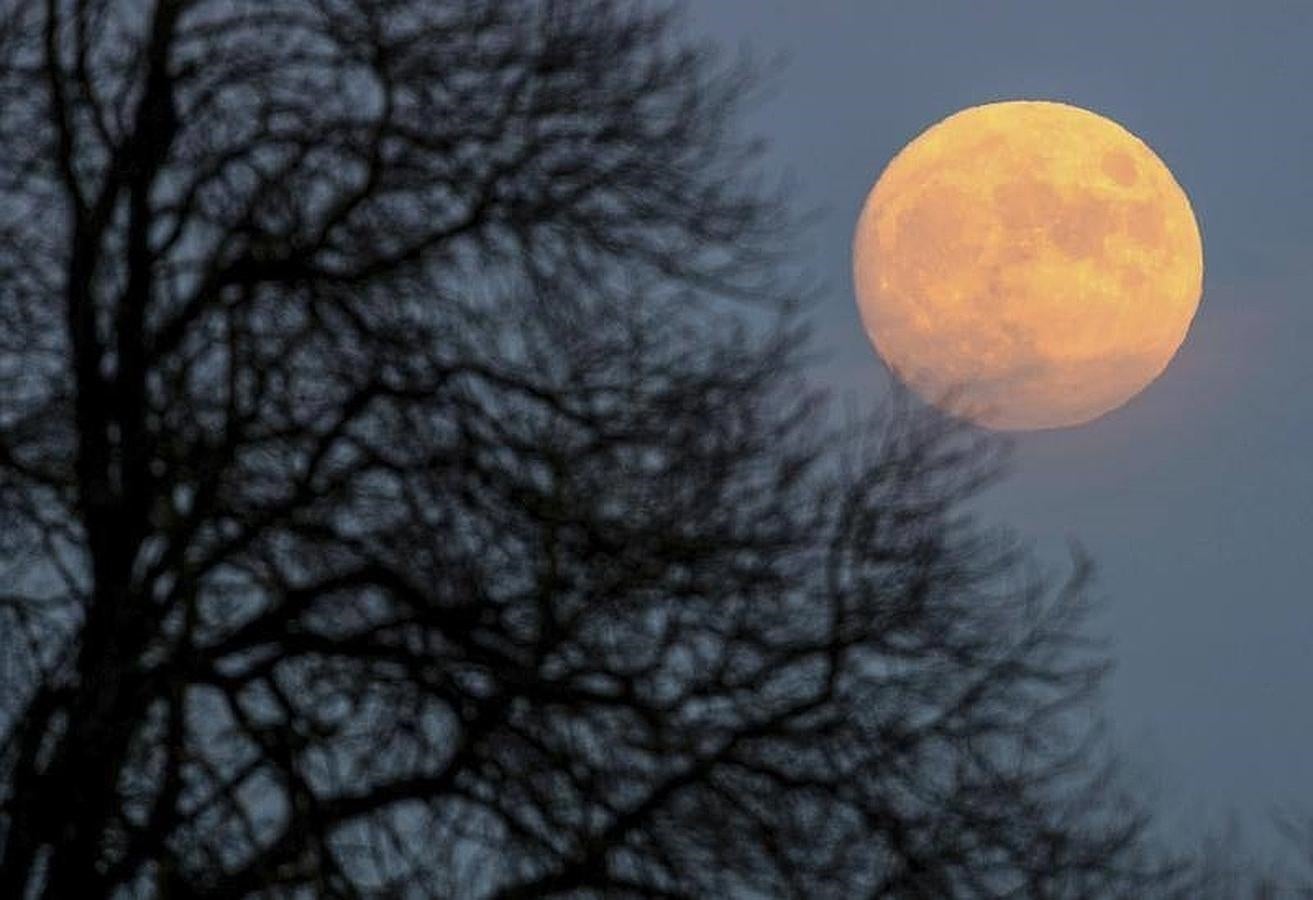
[(1195, 499)]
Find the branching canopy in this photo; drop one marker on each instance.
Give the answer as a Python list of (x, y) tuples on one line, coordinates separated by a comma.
[(409, 487)]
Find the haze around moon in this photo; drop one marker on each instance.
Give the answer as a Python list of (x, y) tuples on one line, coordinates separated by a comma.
[(1027, 265)]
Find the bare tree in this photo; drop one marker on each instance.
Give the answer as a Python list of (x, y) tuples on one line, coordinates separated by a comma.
[(410, 487), (1227, 865)]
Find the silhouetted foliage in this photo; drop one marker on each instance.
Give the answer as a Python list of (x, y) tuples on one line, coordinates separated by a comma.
[(410, 488)]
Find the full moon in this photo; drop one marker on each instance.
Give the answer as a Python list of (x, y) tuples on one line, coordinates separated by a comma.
[(1027, 265)]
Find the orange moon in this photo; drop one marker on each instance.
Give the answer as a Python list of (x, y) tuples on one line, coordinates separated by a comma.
[(1027, 265)]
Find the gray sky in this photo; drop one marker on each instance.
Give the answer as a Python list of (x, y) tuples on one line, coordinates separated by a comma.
[(1196, 498)]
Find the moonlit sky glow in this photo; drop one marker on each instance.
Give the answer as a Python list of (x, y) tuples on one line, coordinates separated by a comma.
[(1196, 497)]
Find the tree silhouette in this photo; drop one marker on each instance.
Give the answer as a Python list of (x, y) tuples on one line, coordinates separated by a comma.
[(410, 487), (1227, 866)]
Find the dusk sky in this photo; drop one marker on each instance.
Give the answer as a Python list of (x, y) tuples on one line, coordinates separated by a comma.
[(454, 449), (1196, 498)]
